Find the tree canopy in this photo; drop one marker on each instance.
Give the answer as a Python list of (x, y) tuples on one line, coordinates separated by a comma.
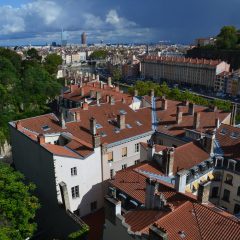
[(99, 54), (17, 205), (51, 63), (25, 87)]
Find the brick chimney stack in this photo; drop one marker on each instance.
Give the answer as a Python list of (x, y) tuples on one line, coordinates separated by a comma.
[(109, 81), (203, 192), (85, 106), (179, 115), (62, 121), (19, 125), (168, 161), (93, 128), (164, 103), (121, 121), (196, 120), (181, 181), (41, 139), (191, 107), (82, 91), (77, 116)]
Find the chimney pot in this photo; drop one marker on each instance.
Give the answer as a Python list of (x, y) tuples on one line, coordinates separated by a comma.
[(191, 107), (179, 115), (196, 121), (77, 116), (121, 121), (85, 106), (41, 139), (93, 128), (109, 81)]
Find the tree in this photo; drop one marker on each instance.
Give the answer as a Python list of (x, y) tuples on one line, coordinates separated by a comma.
[(32, 54), (51, 63), (117, 74), (227, 38), (17, 205), (98, 54)]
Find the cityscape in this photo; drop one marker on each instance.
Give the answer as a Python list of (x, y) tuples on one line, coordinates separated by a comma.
[(119, 120)]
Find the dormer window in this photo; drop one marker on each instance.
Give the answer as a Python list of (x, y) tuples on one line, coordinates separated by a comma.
[(231, 164), (219, 162)]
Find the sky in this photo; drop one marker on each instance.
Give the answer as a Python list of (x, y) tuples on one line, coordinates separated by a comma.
[(114, 21)]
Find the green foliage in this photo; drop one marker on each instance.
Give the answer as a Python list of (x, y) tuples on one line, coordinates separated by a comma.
[(98, 54), (17, 205), (25, 89), (51, 63), (144, 87), (117, 75), (32, 54), (227, 38), (78, 234)]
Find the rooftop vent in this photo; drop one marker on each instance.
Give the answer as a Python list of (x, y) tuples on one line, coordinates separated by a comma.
[(128, 125), (182, 234), (122, 111), (223, 131), (45, 128), (103, 134), (116, 130), (138, 123)]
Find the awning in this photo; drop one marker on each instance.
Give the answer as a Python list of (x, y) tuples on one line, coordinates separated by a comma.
[(122, 195), (188, 189), (195, 185), (210, 176)]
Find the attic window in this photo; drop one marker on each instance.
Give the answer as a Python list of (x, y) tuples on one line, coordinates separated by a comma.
[(45, 128), (103, 134), (223, 131), (138, 123), (128, 126), (98, 126), (234, 135), (122, 111)]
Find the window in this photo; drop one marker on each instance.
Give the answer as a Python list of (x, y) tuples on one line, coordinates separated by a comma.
[(214, 192), (236, 209), (75, 192), (226, 195), (229, 179), (219, 162), (124, 152), (136, 162), (238, 191), (93, 206), (110, 156), (137, 147), (74, 171), (111, 173), (124, 166), (217, 176), (231, 165)]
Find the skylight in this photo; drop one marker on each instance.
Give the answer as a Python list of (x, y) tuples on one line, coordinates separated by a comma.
[(98, 126), (138, 123), (103, 134), (116, 130), (122, 111), (223, 131), (128, 126), (234, 135), (45, 128)]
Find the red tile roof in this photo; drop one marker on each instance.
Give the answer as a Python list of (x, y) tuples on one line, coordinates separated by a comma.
[(182, 60), (229, 144), (197, 221)]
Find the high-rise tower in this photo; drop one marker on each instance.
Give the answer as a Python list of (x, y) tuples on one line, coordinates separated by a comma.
[(84, 38)]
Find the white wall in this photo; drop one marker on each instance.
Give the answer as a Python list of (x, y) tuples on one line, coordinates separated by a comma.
[(89, 178)]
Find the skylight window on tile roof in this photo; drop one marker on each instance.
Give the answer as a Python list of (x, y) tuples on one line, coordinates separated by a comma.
[(234, 135), (138, 123), (103, 134), (116, 130), (98, 126), (122, 111), (223, 131), (182, 234), (45, 128), (128, 126)]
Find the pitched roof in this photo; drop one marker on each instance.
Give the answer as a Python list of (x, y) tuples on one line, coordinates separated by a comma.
[(197, 221)]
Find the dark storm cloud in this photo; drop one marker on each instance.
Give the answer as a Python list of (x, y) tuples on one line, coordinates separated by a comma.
[(118, 21)]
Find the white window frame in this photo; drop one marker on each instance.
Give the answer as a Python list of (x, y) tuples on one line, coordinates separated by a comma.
[(75, 192), (74, 171), (137, 147)]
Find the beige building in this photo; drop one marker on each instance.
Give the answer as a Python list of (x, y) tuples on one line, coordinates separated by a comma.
[(200, 72)]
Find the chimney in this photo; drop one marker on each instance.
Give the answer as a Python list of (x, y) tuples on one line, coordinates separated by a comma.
[(151, 188), (123, 100), (41, 139), (98, 96), (217, 123), (92, 94), (196, 120), (233, 114), (19, 125), (117, 89), (104, 86), (93, 76), (203, 192), (152, 93), (109, 81), (179, 115), (96, 140), (186, 103), (97, 77), (168, 161), (82, 91), (85, 106), (157, 233), (209, 142), (191, 109), (108, 98), (121, 121), (62, 121), (77, 116), (181, 180), (164, 103), (93, 128), (101, 84), (135, 92), (111, 100)]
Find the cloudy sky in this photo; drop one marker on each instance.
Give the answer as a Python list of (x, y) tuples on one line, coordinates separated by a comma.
[(41, 21)]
